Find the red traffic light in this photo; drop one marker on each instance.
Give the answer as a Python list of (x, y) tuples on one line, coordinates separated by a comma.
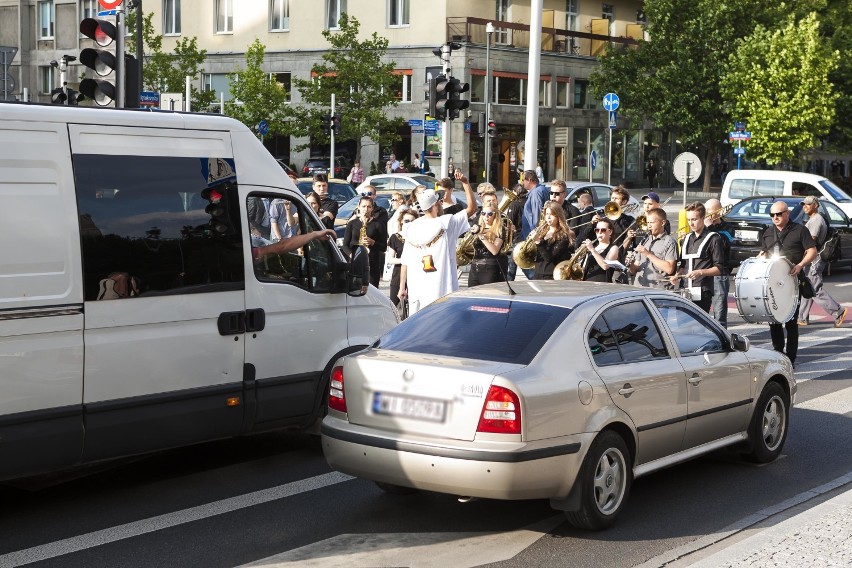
[(102, 31)]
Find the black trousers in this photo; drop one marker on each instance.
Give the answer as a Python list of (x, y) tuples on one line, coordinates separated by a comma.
[(484, 274), (776, 331)]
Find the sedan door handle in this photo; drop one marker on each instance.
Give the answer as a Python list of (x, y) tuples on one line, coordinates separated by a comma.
[(695, 379), (626, 390)]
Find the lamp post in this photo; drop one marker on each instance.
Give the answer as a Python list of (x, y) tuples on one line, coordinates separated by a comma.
[(489, 31)]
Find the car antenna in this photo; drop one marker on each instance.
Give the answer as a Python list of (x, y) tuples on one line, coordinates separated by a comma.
[(506, 280)]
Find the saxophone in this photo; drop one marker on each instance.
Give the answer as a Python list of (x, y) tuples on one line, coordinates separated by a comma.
[(362, 235)]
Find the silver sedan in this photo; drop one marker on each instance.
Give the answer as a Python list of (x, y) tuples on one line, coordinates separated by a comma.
[(564, 391)]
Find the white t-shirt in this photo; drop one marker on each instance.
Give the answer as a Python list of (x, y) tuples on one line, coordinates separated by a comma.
[(432, 270)]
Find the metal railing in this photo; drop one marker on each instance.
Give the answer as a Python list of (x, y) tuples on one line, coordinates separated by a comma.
[(557, 41)]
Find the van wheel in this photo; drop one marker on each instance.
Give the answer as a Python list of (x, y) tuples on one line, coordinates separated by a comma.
[(605, 478), (396, 489), (768, 429)]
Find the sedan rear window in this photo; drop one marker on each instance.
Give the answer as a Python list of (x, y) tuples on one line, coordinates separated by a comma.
[(493, 330)]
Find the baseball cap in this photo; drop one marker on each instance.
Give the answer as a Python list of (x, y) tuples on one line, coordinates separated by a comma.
[(426, 199), (652, 196), (810, 200)]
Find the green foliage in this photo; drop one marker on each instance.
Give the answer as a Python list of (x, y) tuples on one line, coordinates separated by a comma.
[(255, 95), (778, 82), (167, 72), (364, 86), (836, 25)]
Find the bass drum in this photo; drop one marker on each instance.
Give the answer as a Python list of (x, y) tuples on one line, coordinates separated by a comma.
[(765, 290)]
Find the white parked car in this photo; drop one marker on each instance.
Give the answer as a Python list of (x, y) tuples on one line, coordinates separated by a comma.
[(403, 182)]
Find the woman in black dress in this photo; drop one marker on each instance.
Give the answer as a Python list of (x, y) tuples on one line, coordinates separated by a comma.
[(489, 263), (554, 241), (376, 239), (595, 268), (396, 242)]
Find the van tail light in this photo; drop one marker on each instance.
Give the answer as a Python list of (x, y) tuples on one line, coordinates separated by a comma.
[(336, 397), (501, 413)]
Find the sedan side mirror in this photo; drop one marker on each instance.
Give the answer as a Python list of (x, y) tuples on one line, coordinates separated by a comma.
[(740, 342), (358, 275)]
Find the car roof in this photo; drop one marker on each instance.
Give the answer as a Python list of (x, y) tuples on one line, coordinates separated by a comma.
[(330, 180), (562, 293), (774, 174)]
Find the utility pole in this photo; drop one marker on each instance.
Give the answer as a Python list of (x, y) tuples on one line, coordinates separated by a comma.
[(331, 160), (489, 31), (533, 78)]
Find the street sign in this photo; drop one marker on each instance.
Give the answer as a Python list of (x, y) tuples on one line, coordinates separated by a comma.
[(739, 151), (613, 117), (593, 160), (739, 126), (110, 4), (611, 102), (262, 128), (149, 98), (415, 123), (739, 135), (7, 83), (415, 130), (683, 162)]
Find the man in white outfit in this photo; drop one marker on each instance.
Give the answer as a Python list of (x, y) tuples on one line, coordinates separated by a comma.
[(429, 270)]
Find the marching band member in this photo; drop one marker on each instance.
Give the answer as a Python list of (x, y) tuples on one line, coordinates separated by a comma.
[(701, 255), (489, 263), (595, 268), (656, 257), (554, 243)]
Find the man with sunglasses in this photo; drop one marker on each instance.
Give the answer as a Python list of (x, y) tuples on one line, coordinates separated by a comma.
[(558, 193), (795, 243)]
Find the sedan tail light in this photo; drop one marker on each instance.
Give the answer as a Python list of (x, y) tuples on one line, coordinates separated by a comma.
[(336, 397), (501, 413)]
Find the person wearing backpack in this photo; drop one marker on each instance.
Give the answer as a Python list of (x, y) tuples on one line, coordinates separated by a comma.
[(818, 229), (721, 284)]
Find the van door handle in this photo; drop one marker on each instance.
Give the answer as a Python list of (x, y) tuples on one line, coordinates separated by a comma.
[(231, 323), (255, 319)]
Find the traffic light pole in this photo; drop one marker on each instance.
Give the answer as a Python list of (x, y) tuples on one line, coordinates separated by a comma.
[(331, 160), (120, 68), (489, 31)]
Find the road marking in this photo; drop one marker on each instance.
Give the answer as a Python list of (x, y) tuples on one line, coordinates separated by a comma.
[(844, 284), (422, 550), (137, 528), (838, 402)]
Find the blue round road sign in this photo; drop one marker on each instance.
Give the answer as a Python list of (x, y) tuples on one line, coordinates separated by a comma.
[(263, 128), (610, 101)]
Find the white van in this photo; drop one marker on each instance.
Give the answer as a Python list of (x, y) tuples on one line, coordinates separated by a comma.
[(132, 314), (740, 184)]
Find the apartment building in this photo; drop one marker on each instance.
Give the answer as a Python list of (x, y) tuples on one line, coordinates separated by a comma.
[(571, 123)]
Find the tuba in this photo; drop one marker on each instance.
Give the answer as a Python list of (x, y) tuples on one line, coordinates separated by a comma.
[(465, 251)]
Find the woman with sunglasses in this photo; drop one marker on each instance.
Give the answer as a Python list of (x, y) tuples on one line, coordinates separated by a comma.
[(595, 267), (396, 242), (554, 241), (376, 239), (489, 263)]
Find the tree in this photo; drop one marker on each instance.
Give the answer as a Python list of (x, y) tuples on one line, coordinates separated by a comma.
[(255, 95), (778, 81), (167, 72), (364, 86), (836, 24), (674, 78)]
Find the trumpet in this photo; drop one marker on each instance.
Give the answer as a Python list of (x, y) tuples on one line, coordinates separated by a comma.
[(712, 216), (641, 223), (612, 211)]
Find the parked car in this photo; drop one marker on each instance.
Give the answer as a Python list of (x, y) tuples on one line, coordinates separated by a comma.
[(600, 193), (563, 390), (320, 165), (287, 169), (399, 182), (338, 189), (740, 184), (750, 217)]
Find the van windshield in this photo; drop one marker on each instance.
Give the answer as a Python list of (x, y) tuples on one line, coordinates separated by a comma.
[(835, 192)]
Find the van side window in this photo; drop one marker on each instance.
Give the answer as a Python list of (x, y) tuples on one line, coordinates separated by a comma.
[(801, 189), (158, 225), (272, 218)]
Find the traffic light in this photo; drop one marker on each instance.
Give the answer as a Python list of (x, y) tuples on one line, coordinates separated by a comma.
[(326, 124), (431, 97), (454, 102), (480, 126), (58, 96), (440, 98), (105, 64), (492, 129), (335, 124)]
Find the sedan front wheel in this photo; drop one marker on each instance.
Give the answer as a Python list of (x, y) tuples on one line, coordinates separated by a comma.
[(768, 429)]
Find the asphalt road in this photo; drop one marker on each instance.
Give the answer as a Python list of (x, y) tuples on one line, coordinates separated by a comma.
[(272, 500)]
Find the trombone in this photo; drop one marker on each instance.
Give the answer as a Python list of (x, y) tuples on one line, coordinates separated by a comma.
[(611, 210)]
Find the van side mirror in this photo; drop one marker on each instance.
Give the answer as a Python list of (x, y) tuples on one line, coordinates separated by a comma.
[(740, 342), (358, 275)]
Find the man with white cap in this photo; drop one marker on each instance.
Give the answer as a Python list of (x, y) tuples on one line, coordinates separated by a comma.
[(429, 269)]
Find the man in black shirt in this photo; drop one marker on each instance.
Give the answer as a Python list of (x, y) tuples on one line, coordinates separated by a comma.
[(722, 285), (793, 242), (328, 206), (701, 255)]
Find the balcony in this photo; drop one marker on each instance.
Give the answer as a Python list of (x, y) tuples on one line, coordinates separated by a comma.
[(554, 41)]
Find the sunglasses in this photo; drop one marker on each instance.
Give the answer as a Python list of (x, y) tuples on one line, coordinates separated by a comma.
[(604, 230), (488, 213), (367, 194), (777, 214), (556, 192)]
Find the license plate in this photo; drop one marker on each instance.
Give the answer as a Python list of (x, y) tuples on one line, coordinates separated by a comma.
[(746, 235), (409, 407)]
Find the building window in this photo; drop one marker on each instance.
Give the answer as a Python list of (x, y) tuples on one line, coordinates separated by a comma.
[(224, 16), (509, 91), (218, 83), (502, 14), (279, 15), (544, 93), (571, 15), (46, 19), (171, 17), (401, 88), (608, 12), (88, 9), (398, 13), (333, 11), (45, 79), (285, 80), (581, 94), (562, 97)]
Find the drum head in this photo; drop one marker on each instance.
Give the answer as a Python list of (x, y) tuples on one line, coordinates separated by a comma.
[(765, 291), (783, 291)]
